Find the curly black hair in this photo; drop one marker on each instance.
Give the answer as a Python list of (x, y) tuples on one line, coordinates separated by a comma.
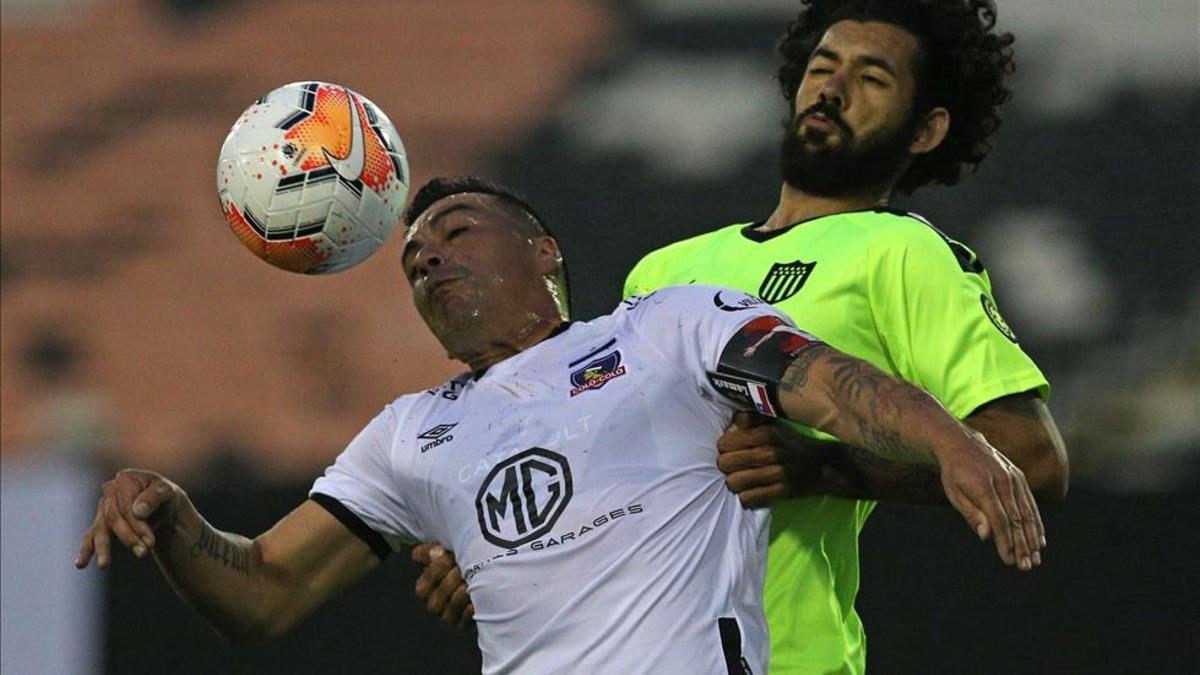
[(962, 67)]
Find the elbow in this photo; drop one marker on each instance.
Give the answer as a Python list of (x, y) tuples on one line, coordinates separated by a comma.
[(1050, 475), (258, 632)]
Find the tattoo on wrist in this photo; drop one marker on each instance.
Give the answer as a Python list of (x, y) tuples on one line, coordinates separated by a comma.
[(217, 547)]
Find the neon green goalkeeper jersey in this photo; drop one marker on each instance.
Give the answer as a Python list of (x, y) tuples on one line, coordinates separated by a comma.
[(885, 287)]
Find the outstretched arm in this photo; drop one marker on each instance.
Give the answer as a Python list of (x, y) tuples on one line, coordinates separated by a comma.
[(764, 463), (247, 588), (855, 401)]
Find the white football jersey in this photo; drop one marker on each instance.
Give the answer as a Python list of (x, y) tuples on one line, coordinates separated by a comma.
[(576, 483)]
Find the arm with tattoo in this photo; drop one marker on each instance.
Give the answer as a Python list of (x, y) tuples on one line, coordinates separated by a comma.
[(249, 589), (1019, 426), (777, 369), (860, 404)]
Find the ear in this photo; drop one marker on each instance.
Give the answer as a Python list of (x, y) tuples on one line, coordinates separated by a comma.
[(548, 255), (932, 131)]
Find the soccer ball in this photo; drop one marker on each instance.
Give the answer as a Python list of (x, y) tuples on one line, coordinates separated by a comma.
[(312, 178)]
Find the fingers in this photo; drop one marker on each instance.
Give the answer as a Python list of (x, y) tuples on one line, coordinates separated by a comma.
[(736, 438), (124, 498), (117, 513), (420, 553), (1029, 532), (126, 504), (978, 502), (441, 585), (148, 502), (759, 477), (1037, 517), (975, 517), (744, 419), (763, 496), (1019, 519), (121, 529), (101, 542), (1035, 529), (748, 458), (741, 420), (85, 550), (468, 616), (991, 507), (449, 598), (438, 563), (453, 613)]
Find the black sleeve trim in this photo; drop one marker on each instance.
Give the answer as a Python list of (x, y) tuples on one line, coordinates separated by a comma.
[(355, 524)]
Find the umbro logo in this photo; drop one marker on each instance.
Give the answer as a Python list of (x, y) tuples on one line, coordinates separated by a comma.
[(436, 436)]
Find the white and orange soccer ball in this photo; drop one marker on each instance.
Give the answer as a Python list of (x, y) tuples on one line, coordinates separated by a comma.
[(313, 178)]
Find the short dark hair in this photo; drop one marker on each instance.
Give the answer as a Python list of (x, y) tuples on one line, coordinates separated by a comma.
[(437, 189), (962, 66)]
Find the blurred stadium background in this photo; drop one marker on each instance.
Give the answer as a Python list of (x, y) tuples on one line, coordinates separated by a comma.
[(137, 331)]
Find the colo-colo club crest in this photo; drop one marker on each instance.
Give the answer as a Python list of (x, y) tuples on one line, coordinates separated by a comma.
[(784, 280)]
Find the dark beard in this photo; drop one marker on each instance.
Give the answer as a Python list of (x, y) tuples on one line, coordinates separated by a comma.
[(849, 169)]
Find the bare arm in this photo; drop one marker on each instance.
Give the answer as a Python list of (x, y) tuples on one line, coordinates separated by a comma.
[(247, 588), (851, 399), (1019, 426)]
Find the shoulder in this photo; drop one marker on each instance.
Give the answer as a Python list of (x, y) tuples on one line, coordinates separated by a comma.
[(689, 298), (406, 407), (448, 390), (911, 235)]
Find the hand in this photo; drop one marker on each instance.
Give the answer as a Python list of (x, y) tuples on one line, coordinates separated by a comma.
[(132, 505), (993, 495), (760, 466), (441, 586)]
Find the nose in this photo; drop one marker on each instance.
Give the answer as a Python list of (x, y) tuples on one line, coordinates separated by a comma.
[(833, 90), (429, 258)]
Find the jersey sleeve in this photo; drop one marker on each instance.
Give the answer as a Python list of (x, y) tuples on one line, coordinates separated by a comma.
[(735, 345), (360, 489), (932, 303)]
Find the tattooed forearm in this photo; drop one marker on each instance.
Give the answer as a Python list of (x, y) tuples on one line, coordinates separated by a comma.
[(212, 544), (861, 404)]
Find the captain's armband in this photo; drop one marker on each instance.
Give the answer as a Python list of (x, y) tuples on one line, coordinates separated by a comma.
[(754, 360)]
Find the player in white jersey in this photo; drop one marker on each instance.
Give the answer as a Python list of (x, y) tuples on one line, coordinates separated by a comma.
[(572, 471)]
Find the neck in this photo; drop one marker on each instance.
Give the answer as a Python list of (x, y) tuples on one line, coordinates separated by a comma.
[(493, 350), (797, 206)]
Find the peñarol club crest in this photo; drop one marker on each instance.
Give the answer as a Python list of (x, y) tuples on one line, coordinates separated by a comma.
[(784, 280)]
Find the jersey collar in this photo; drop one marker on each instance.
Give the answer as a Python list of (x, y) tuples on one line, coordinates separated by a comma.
[(751, 232)]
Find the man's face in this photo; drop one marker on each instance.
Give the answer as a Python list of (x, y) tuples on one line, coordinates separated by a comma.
[(473, 261), (852, 121)]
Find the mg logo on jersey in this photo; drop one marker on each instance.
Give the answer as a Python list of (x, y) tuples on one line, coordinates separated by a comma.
[(784, 280), (523, 496)]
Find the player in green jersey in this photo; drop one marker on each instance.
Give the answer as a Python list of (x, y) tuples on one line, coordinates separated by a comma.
[(885, 96)]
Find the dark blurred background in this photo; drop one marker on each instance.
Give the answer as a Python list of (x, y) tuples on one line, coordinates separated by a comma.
[(136, 331)]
